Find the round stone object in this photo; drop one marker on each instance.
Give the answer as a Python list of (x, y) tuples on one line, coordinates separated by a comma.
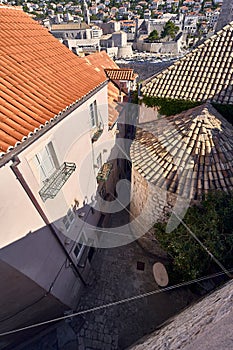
[(160, 274)]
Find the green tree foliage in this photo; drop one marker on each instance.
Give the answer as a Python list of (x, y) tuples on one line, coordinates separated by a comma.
[(174, 9), (134, 97), (212, 224), (93, 18), (25, 8), (169, 106), (153, 36), (170, 30), (19, 2)]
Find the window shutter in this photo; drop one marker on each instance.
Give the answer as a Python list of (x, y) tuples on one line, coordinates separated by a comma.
[(46, 162), (53, 155)]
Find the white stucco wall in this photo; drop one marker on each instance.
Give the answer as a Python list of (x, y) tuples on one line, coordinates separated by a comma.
[(28, 245), (14, 208), (71, 139)]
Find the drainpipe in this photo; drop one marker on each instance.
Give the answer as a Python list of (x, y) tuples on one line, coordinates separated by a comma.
[(34, 201)]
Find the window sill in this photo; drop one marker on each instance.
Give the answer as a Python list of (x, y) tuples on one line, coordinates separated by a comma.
[(96, 135)]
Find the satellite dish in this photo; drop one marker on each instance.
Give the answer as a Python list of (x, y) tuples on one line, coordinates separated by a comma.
[(160, 274)]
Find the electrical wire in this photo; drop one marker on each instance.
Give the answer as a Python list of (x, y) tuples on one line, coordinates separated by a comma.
[(187, 228), (59, 271), (203, 246), (72, 247), (137, 297), (190, 231), (115, 303)]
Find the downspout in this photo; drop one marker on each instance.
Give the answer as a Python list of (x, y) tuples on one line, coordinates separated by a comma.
[(34, 201)]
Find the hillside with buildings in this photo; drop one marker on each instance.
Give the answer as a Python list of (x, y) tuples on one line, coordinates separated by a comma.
[(120, 27)]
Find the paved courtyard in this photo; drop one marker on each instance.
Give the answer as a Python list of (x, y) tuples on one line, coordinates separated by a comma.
[(115, 277)]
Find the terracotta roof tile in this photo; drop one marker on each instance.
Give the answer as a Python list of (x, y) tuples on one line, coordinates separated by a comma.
[(120, 74), (194, 147), (206, 73), (100, 61), (39, 76)]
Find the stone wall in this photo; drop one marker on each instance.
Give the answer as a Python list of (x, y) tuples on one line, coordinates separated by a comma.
[(147, 114), (151, 203), (204, 325), (125, 51), (171, 47), (156, 26), (139, 193), (119, 39)]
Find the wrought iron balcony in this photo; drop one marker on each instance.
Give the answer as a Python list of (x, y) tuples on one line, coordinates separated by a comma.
[(55, 182), (104, 172), (97, 134)]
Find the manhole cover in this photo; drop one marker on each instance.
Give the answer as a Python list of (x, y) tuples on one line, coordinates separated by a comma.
[(140, 266), (160, 274)]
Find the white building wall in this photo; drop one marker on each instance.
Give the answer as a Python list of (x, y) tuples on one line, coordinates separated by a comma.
[(71, 139), (28, 245), (14, 206)]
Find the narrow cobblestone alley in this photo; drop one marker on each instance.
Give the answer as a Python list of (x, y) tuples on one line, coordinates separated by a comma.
[(115, 277)]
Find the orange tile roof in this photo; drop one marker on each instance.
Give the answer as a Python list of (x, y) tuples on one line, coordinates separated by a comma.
[(120, 74), (39, 77), (100, 61)]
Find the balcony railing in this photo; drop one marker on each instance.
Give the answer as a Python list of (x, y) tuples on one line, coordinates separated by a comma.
[(104, 172), (97, 134), (55, 182)]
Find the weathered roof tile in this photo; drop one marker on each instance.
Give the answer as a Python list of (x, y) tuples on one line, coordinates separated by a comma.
[(193, 148), (203, 74), (120, 74)]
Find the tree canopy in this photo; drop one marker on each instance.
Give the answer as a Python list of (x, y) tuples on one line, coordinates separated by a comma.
[(170, 30), (211, 222), (154, 35)]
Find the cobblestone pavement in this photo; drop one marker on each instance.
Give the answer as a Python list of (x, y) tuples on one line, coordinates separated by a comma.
[(116, 327)]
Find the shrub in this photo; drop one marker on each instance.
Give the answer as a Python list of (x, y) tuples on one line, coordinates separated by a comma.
[(169, 106), (211, 222)]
